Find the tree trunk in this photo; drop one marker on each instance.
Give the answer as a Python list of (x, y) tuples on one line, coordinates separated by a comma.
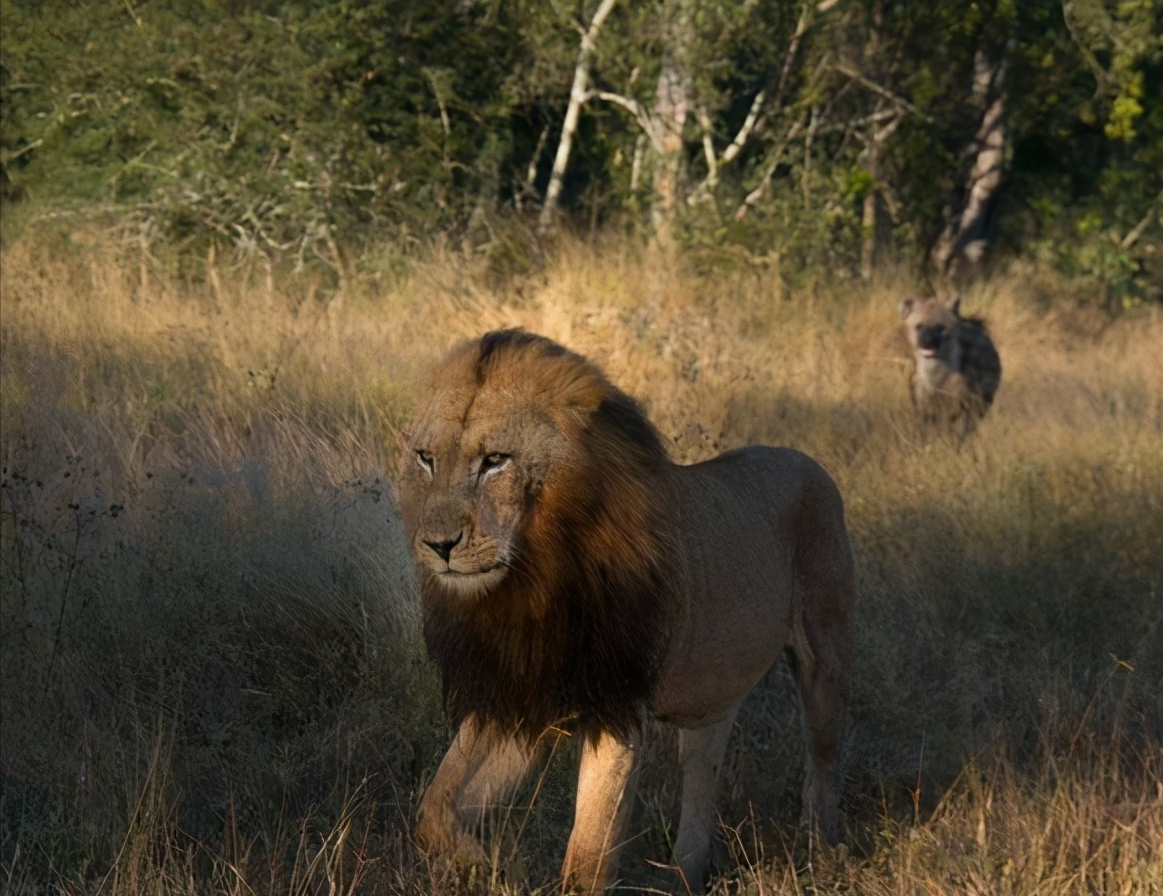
[(874, 218), (673, 102), (671, 108), (963, 240), (869, 215)]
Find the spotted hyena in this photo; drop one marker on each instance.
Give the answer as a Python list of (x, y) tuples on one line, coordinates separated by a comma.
[(958, 370)]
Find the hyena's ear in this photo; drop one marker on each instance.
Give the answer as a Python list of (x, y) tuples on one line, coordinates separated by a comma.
[(956, 307), (907, 307)]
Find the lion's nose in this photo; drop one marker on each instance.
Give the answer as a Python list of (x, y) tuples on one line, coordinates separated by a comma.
[(444, 548)]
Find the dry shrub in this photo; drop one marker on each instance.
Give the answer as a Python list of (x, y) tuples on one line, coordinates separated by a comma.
[(210, 676)]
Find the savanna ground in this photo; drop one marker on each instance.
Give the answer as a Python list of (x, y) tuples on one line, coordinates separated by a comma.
[(210, 672)]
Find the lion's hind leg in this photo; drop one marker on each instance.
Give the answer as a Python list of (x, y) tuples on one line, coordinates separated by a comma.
[(822, 695), (701, 752), (481, 771), (821, 650)]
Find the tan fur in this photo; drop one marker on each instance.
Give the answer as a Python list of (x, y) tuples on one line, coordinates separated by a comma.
[(574, 578), (957, 368)]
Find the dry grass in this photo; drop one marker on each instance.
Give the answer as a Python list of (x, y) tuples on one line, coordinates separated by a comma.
[(210, 677)]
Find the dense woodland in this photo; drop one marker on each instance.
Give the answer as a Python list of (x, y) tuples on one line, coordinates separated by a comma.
[(831, 137)]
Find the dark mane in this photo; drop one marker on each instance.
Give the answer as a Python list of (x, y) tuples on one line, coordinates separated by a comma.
[(498, 342), (575, 634)]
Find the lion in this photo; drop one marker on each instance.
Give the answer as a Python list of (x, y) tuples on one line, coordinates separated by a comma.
[(957, 366), (574, 579)]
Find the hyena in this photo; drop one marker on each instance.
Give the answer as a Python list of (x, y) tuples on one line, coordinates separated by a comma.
[(958, 369)]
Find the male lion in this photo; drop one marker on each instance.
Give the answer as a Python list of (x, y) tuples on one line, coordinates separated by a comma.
[(574, 579), (957, 368)]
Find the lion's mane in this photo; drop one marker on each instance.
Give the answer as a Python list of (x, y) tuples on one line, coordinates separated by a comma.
[(575, 635)]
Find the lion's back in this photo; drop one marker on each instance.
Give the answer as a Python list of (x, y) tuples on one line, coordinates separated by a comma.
[(743, 515), (763, 483)]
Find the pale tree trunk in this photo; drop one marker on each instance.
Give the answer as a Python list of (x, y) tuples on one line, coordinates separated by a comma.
[(672, 106), (578, 95), (663, 125), (963, 240)]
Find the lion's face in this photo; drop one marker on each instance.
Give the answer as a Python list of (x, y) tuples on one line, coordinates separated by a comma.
[(480, 457)]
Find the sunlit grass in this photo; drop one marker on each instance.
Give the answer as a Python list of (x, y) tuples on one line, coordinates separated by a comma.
[(210, 671)]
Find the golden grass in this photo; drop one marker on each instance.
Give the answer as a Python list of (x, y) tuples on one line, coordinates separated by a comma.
[(210, 676)]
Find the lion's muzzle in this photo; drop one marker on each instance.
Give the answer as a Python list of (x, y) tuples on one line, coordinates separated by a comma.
[(443, 547)]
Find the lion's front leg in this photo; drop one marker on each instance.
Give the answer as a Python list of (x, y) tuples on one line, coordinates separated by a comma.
[(605, 795), (701, 752), (481, 769)]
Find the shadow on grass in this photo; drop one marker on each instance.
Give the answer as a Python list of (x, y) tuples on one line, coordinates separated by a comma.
[(198, 607)]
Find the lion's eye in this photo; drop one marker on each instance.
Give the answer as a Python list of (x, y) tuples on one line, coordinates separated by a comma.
[(424, 459), (491, 463)]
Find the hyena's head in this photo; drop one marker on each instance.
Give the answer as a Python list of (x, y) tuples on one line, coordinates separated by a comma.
[(930, 325)]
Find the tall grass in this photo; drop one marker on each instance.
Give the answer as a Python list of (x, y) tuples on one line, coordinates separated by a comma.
[(210, 672)]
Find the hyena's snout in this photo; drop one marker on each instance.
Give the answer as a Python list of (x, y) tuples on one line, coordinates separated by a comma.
[(930, 339)]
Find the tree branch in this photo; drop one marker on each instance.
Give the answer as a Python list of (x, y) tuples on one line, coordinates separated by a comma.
[(874, 118), (1101, 79), (752, 198), (878, 89), (1137, 231), (578, 95), (802, 24), (531, 170), (745, 130), (632, 106), (751, 122), (708, 149)]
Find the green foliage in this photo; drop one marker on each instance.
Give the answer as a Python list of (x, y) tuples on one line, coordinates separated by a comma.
[(307, 132), (1116, 40), (280, 131)]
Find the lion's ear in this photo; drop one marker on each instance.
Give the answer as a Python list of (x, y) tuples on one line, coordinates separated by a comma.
[(906, 307)]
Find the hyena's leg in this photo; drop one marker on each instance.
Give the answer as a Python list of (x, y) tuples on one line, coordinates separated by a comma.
[(605, 795), (481, 770), (701, 752)]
